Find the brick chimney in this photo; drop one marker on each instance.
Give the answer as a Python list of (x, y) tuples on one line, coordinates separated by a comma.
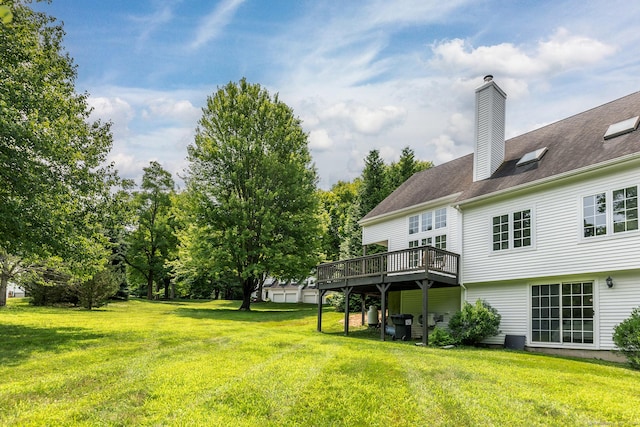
[(489, 129)]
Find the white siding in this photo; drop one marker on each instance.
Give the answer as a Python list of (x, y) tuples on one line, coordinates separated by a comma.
[(559, 254), (512, 302), (558, 248), (395, 231), (616, 304), (490, 119)]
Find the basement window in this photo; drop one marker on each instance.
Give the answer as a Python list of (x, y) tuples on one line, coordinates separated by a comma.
[(532, 156), (622, 127)]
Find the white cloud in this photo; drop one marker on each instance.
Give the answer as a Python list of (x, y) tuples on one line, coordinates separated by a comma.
[(363, 119), (319, 140), (176, 110), (445, 149), (115, 109), (388, 153), (212, 25), (561, 52), (150, 23), (383, 75), (564, 51)]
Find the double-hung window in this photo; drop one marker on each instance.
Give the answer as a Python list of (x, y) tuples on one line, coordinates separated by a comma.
[(441, 218), (610, 212), (414, 224), (625, 209), (427, 221), (594, 209), (512, 230)]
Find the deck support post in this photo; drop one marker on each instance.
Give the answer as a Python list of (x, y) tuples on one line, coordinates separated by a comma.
[(425, 285), (347, 293), (383, 288), (321, 294)]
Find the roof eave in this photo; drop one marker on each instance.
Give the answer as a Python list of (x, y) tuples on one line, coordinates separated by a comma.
[(404, 211), (522, 187)]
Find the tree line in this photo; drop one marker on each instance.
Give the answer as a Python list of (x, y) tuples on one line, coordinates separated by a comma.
[(74, 232)]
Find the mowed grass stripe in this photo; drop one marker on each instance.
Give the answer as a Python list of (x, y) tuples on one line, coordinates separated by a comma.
[(205, 363)]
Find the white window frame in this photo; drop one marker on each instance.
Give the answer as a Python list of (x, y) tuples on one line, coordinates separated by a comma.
[(440, 218), (609, 214), (427, 229), (563, 321), (414, 219), (426, 221), (511, 238)]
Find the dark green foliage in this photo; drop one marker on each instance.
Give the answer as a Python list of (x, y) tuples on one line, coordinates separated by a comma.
[(123, 292), (336, 204), (377, 181), (474, 323), (626, 337), (440, 337), (407, 165), (48, 286), (51, 286), (374, 183), (51, 155), (355, 302), (96, 291), (152, 240), (252, 187)]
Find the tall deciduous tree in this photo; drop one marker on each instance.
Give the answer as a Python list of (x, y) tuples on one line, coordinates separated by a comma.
[(50, 154), (255, 187), (152, 237)]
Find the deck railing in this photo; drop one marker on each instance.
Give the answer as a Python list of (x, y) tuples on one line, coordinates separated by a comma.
[(424, 258)]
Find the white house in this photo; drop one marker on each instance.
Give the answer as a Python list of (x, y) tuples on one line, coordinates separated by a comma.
[(15, 291), (292, 292), (543, 226)]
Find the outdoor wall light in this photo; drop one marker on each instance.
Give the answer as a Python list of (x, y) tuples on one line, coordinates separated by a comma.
[(609, 281)]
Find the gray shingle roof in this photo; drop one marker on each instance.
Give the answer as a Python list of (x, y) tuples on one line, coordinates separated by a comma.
[(431, 184), (573, 143)]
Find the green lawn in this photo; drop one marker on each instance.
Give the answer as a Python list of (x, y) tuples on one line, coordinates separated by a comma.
[(204, 363)]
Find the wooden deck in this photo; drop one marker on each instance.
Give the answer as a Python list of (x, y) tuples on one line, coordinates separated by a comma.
[(407, 265), (423, 268)]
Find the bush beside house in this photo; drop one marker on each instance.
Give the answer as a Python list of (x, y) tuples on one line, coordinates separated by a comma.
[(626, 336)]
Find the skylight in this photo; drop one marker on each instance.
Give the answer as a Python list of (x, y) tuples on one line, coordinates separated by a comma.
[(622, 127), (532, 156)]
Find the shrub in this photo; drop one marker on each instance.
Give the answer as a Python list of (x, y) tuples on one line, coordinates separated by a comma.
[(440, 337), (626, 337), (96, 291), (48, 286), (355, 303), (474, 323)]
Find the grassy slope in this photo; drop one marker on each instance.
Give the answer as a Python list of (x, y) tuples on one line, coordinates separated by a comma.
[(189, 363)]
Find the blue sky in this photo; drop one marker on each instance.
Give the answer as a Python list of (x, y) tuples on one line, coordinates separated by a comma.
[(359, 74)]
